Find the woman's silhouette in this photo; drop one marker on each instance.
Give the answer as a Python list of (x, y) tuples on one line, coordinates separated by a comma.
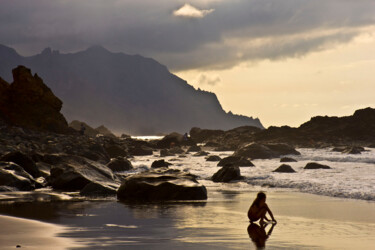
[(259, 209)]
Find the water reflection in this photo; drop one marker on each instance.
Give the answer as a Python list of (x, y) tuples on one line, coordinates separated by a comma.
[(258, 234)]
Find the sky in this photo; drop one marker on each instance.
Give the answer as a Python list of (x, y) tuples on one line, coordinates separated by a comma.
[(281, 61)]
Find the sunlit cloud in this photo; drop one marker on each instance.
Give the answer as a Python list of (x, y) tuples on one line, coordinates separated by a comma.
[(190, 11)]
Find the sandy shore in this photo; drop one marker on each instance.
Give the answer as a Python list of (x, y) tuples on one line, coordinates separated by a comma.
[(304, 222), (30, 234)]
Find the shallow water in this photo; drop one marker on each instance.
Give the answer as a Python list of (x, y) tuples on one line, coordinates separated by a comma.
[(304, 222)]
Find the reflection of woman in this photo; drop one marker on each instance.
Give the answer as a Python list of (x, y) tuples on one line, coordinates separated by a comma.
[(259, 209), (258, 234)]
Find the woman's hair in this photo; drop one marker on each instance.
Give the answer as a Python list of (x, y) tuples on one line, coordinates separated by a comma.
[(260, 196)]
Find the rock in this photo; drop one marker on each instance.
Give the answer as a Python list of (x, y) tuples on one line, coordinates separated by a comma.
[(194, 148), (22, 160), (212, 144), (74, 173), (114, 151), (227, 173), (171, 140), (176, 150), (119, 164), (165, 153), (213, 158), (314, 165), (93, 189), (31, 104), (287, 159), (235, 161), (104, 131), (201, 153), (265, 151), (14, 176), (349, 149), (141, 151), (160, 164), (284, 169), (77, 125), (159, 185)]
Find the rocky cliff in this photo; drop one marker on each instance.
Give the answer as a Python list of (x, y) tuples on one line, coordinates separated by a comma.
[(128, 93), (27, 102)]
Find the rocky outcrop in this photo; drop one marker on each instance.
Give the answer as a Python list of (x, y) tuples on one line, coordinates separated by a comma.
[(72, 173), (236, 161), (284, 168), (159, 185), (314, 165), (29, 103), (265, 151), (104, 131), (227, 174), (194, 148), (87, 129), (22, 160), (199, 135), (14, 177), (349, 149)]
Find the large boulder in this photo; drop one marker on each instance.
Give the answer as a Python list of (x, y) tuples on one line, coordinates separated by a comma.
[(172, 140), (159, 185), (31, 104), (114, 150), (227, 173), (105, 131), (140, 151), (88, 130), (194, 148), (165, 153), (119, 164), (72, 173), (22, 160), (284, 168), (15, 177), (314, 165), (236, 161), (349, 149), (265, 151)]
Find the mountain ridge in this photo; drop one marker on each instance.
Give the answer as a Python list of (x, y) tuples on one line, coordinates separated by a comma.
[(127, 93)]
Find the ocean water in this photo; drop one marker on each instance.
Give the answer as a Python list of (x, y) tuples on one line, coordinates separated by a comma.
[(350, 176)]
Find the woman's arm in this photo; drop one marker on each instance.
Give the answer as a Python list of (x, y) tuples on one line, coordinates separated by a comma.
[(270, 212)]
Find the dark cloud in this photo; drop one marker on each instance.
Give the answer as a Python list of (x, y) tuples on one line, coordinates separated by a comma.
[(234, 32)]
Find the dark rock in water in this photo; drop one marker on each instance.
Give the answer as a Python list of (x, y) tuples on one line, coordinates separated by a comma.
[(173, 140), (212, 144), (265, 151), (74, 173), (160, 164), (284, 169), (194, 148), (349, 150), (176, 150), (314, 165), (213, 158), (227, 173), (371, 145), (159, 185), (114, 151), (141, 151), (201, 153), (97, 190), (287, 159), (236, 161), (14, 176), (223, 149), (29, 103), (119, 164), (22, 160), (200, 135), (165, 153)]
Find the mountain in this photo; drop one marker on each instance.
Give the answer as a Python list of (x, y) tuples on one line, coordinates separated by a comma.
[(127, 93)]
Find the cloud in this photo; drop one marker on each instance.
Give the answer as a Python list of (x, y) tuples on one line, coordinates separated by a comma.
[(190, 11), (240, 31), (203, 79)]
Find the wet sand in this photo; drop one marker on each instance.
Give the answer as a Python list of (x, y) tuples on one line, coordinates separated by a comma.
[(30, 234), (304, 222)]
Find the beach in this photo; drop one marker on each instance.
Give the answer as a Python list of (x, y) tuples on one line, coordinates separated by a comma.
[(305, 221)]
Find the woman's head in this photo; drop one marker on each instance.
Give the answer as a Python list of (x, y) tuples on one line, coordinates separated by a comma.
[(261, 198)]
